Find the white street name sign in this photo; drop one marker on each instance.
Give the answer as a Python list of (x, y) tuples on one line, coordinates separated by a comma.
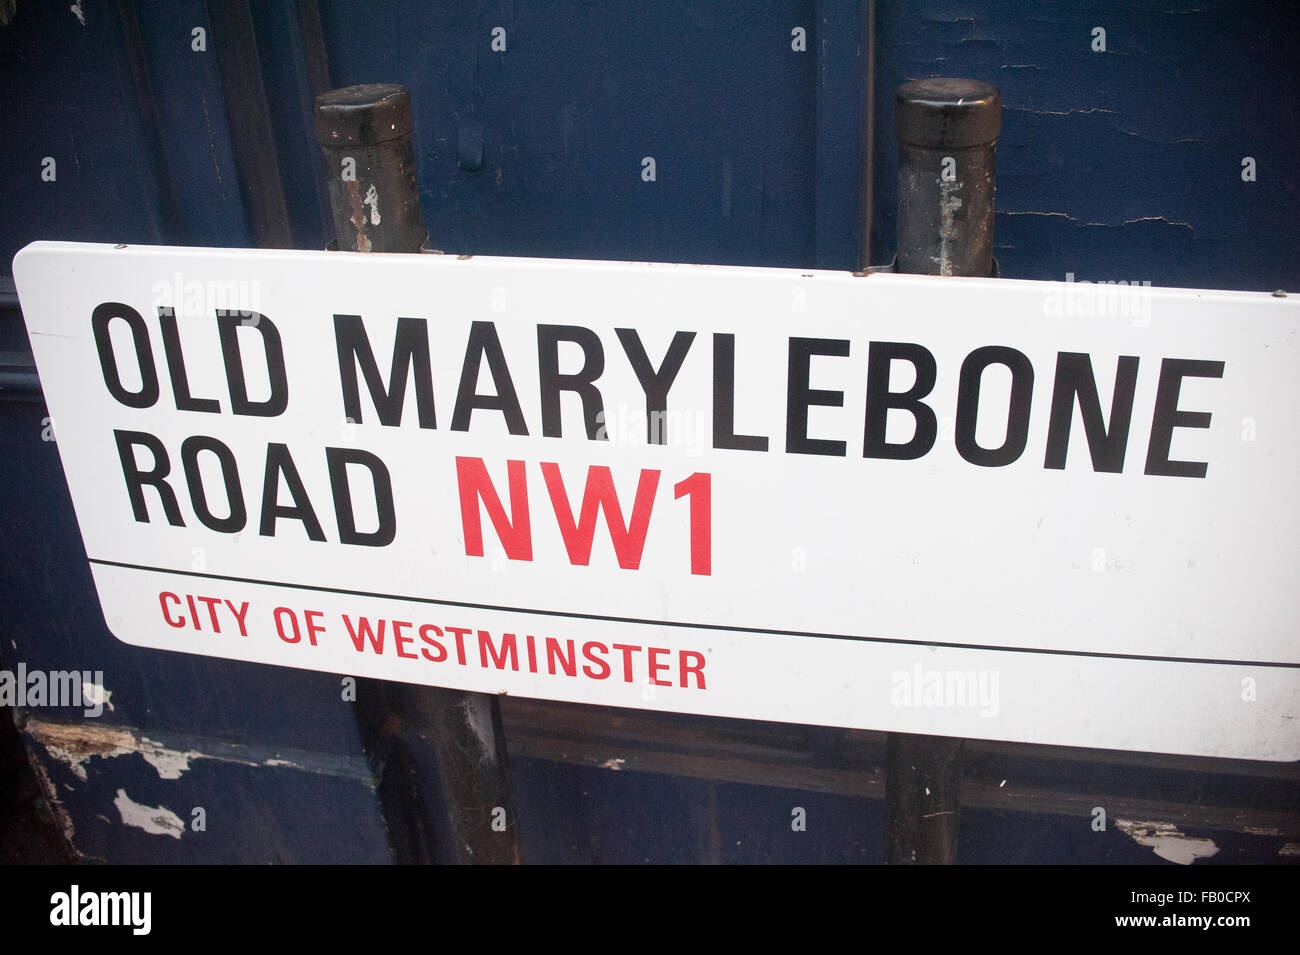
[(1048, 512)]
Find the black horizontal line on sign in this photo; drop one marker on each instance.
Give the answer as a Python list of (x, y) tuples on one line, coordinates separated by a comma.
[(687, 624)]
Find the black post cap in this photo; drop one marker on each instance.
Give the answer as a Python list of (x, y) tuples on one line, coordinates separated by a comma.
[(364, 115), (947, 113)]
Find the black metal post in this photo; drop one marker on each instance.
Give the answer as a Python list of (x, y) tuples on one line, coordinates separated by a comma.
[(365, 138), (947, 135), (431, 747), (922, 798)]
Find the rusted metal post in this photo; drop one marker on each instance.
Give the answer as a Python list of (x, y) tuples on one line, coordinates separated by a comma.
[(365, 138), (440, 754), (947, 134)]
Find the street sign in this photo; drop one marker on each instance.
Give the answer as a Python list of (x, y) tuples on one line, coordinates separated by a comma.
[(1051, 512)]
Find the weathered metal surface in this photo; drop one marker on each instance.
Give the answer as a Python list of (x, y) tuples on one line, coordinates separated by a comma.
[(440, 754), (364, 134), (947, 131), (1122, 164)]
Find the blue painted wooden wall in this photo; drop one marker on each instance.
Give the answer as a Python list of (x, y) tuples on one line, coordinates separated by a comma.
[(1123, 164)]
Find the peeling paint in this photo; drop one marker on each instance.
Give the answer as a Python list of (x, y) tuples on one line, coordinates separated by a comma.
[(372, 200), (358, 217), (1290, 851), (613, 764), (1056, 112), (1074, 219), (1167, 842), (949, 204), (75, 744), (1160, 219), (284, 763), (78, 12), (1063, 215), (157, 820), (169, 763)]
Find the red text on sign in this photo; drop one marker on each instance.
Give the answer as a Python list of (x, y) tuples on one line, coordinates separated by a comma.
[(475, 647), (182, 612), (478, 494)]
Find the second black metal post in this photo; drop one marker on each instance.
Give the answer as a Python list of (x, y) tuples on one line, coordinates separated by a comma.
[(947, 136)]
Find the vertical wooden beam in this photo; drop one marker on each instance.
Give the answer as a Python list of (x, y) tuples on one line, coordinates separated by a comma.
[(234, 43)]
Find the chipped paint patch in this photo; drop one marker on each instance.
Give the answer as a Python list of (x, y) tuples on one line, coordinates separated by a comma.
[(287, 763), (78, 12), (169, 762), (1290, 851), (156, 820), (372, 200), (1167, 842), (76, 743), (613, 764), (949, 205)]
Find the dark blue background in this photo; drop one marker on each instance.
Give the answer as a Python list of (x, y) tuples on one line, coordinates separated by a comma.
[(1117, 165)]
